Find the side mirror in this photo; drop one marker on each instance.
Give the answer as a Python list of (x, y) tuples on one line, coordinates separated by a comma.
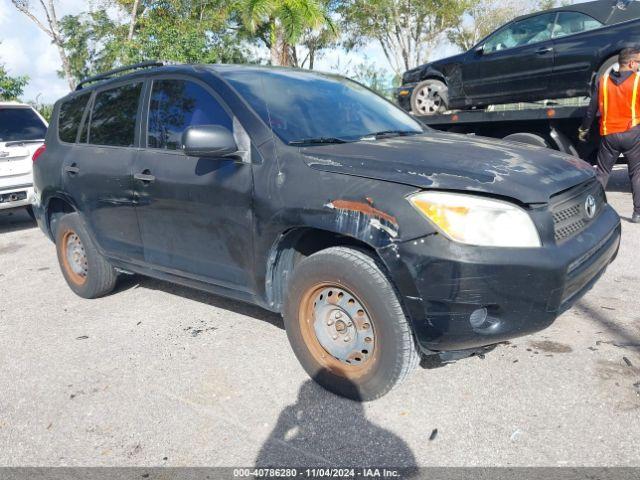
[(208, 141), (479, 50)]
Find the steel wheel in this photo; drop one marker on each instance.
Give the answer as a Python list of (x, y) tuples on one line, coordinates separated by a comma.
[(74, 257), (338, 330), (429, 98)]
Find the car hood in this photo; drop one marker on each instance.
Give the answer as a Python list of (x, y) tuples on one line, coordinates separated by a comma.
[(447, 161)]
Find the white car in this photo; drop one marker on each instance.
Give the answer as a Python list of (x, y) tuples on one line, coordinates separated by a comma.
[(22, 132)]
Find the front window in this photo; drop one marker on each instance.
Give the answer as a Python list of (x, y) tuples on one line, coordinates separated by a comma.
[(177, 105), (303, 106), (20, 123), (525, 32)]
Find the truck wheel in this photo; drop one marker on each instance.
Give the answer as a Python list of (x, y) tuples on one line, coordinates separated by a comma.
[(608, 66), (528, 138), (87, 273), (346, 325), (429, 98)]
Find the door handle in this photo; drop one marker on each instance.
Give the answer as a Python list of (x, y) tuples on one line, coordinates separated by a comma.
[(543, 50), (72, 169), (145, 177)]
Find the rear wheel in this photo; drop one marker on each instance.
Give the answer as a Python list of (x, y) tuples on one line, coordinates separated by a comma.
[(87, 273), (346, 325), (608, 66), (429, 98)]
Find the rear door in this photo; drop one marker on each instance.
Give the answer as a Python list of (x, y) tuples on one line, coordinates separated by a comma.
[(515, 61), (575, 40), (22, 131), (195, 213), (97, 170)]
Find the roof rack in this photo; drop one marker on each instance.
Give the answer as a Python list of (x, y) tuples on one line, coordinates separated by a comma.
[(112, 73)]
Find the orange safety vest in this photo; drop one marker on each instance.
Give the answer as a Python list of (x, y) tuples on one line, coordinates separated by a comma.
[(619, 105)]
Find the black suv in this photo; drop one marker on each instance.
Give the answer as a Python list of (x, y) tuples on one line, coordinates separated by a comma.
[(307, 194)]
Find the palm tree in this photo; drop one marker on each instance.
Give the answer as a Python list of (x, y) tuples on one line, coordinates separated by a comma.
[(283, 22)]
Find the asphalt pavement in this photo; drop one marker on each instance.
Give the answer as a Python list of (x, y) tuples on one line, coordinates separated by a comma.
[(160, 375)]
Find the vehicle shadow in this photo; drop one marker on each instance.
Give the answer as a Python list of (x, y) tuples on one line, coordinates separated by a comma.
[(126, 282), (15, 220), (323, 430), (628, 339)]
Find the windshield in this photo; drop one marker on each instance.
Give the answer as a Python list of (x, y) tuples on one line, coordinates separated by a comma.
[(20, 124), (316, 108)]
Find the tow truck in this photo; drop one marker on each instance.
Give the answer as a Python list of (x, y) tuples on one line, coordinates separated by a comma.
[(549, 123)]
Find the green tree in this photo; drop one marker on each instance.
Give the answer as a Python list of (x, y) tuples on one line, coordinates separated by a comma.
[(313, 42), (11, 88), (186, 31), (281, 24), (45, 17), (406, 30)]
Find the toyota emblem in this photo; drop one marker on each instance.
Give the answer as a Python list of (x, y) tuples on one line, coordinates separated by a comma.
[(590, 206)]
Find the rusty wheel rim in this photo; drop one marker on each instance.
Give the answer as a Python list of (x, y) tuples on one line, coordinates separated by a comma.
[(338, 330), (74, 257)]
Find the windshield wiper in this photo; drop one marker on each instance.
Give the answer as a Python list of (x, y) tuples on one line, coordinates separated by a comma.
[(391, 133), (316, 141)]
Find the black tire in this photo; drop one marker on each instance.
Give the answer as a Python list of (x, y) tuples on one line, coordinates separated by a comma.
[(86, 271), (429, 97), (393, 355), (528, 139), (30, 212), (607, 67)]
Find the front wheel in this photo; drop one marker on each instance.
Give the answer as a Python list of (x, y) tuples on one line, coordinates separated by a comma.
[(429, 98), (346, 325)]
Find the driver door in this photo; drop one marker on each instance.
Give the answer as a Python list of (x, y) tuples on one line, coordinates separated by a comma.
[(515, 61), (195, 214)]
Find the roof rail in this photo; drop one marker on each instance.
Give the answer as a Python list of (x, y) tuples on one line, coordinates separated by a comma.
[(112, 73)]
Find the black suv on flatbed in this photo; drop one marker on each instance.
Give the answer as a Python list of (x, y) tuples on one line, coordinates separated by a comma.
[(307, 194)]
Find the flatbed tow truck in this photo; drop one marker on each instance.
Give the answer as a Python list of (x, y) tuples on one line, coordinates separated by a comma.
[(549, 123)]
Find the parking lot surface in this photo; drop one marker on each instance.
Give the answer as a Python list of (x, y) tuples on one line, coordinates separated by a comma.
[(157, 374)]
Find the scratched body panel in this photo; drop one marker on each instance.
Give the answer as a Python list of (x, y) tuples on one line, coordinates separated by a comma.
[(237, 226)]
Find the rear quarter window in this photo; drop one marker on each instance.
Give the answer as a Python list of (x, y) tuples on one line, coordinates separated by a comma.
[(70, 117), (20, 123)]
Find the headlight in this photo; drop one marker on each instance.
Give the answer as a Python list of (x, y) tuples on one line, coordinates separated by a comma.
[(477, 220)]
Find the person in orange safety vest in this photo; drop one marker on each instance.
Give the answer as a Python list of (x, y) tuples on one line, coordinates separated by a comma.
[(617, 99)]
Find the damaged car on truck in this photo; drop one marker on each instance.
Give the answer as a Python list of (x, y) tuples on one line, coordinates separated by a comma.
[(553, 54), (377, 239)]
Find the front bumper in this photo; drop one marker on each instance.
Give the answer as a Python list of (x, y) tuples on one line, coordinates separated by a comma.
[(460, 297), (17, 196)]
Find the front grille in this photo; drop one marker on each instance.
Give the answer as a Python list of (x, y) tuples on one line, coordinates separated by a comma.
[(569, 209)]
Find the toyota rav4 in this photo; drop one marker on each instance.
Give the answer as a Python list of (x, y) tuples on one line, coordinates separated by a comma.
[(377, 239)]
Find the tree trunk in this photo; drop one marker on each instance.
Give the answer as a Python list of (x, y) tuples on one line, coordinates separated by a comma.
[(52, 18), (66, 66), (134, 16)]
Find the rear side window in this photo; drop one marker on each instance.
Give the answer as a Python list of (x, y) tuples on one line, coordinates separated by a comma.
[(20, 123), (113, 120), (176, 105), (70, 117), (569, 23)]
